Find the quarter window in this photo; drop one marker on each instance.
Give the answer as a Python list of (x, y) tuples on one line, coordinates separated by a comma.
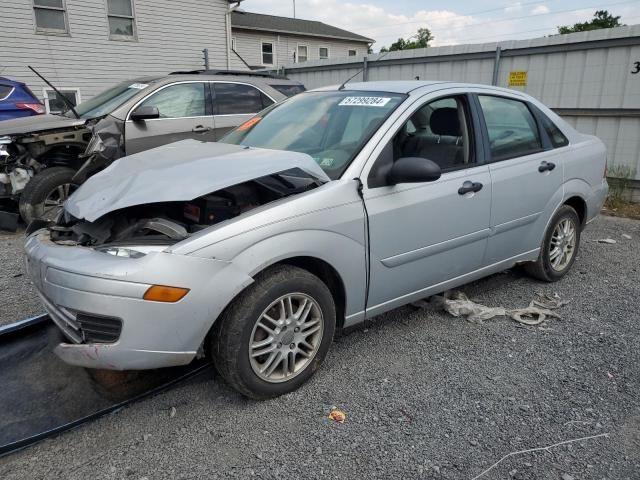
[(5, 91), (179, 101), (237, 99), (303, 53), (323, 53), (556, 137), (512, 129), (51, 16), (121, 19), (267, 53)]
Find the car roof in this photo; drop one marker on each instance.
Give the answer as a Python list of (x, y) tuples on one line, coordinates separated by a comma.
[(408, 86), (7, 81), (249, 78)]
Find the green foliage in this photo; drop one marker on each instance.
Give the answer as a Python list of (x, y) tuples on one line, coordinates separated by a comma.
[(601, 19), (422, 40), (619, 177)]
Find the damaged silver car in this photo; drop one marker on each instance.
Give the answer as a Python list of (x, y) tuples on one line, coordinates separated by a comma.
[(329, 208), (43, 159)]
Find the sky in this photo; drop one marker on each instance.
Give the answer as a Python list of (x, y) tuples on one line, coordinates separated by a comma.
[(450, 21)]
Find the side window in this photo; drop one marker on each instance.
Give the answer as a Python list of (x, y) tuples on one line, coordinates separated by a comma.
[(178, 101), (439, 131), (556, 137), (236, 99), (512, 129)]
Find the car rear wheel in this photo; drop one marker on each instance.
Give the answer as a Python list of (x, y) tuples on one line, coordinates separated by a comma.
[(275, 334), (45, 194), (559, 247)]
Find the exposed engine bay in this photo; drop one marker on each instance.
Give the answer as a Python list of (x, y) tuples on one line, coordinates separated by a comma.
[(167, 223)]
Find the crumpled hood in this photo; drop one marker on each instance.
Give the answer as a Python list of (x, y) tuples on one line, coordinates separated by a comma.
[(177, 172), (38, 123)]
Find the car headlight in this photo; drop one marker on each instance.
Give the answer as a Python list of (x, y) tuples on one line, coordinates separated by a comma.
[(122, 252)]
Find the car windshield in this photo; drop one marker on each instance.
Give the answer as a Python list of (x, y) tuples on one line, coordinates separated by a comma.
[(107, 101), (331, 127)]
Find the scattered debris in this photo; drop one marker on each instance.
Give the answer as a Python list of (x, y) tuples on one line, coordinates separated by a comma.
[(627, 236), (173, 412), (458, 304), (566, 476), (337, 416), (609, 241)]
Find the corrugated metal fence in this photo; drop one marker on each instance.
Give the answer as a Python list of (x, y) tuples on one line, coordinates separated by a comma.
[(592, 79)]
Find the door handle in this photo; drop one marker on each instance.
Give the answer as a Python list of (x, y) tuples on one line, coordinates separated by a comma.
[(546, 167), (200, 129), (468, 187)]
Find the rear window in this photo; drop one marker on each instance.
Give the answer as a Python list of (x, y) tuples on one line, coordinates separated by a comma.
[(289, 90), (5, 90)]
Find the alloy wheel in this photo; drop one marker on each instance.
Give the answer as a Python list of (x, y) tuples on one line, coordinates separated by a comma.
[(563, 244)]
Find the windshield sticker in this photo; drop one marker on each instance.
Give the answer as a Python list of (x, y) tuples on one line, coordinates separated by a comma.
[(326, 162), (249, 123), (138, 86), (364, 101)]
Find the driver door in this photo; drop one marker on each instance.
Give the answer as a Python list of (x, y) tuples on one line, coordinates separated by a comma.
[(424, 234), (185, 112)]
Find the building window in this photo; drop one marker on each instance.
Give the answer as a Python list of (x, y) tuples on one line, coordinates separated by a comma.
[(56, 105), (323, 53), (122, 24), (267, 53), (353, 53), (303, 53), (51, 16)]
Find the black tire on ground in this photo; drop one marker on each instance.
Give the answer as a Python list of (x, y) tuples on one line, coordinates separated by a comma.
[(233, 330), (39, 187), (542, 268)]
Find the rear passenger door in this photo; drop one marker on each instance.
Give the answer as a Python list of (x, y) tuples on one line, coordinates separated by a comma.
[(185, 112), (234, 104), (526, 174)]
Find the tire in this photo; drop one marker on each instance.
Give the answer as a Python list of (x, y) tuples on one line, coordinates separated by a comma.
[(546, 267), (242, 323), (42, 186)]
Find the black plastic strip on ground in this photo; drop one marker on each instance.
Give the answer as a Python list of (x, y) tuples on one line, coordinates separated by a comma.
[(40, 321)]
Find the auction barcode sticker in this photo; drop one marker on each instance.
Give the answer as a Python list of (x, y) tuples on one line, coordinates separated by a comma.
[(365, 101)]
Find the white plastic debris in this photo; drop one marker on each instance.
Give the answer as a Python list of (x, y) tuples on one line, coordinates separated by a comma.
[(458, 304), (627, 236), (610, 241)]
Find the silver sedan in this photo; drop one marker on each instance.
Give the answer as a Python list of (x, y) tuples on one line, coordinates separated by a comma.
[(329, 208)]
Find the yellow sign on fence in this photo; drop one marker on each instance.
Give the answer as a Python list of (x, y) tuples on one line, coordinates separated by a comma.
[(518, 78)]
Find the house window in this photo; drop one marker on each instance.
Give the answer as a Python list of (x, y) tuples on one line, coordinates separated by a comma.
[(267, 53), (51, 16), (323, 53), (303, 53), (121, 19), (56, 105), (353, 53)]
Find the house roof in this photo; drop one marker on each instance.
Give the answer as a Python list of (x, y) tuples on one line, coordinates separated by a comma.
[(271, 23)]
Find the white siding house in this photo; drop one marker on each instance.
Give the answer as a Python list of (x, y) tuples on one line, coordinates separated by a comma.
[(267, 41), (85, 46)]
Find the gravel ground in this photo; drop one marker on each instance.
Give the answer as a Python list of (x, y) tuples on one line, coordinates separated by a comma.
[(426, 396)]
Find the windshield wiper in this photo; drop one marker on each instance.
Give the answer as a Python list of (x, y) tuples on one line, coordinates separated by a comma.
[(64, 99)]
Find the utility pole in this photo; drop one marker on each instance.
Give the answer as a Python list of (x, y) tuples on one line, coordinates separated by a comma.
[(294, 8)]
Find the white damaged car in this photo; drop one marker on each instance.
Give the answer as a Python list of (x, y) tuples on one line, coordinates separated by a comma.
[(334, 206)]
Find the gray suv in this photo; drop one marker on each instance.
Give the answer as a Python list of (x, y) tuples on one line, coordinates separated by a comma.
[(44, 158)]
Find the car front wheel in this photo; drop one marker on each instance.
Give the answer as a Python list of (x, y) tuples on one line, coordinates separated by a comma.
[(45, 194), (559, 247), (275, 334)]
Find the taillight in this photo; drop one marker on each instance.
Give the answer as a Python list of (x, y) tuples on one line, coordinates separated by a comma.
[(38, 108)]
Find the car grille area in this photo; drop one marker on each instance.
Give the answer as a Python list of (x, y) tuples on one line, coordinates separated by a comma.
[(99, 329), (82, 327)]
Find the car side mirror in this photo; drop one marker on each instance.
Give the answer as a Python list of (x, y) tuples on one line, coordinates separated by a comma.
[(147, 112), (413, 170)]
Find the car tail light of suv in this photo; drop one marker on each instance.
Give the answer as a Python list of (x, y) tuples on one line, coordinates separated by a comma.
[(37, 108)]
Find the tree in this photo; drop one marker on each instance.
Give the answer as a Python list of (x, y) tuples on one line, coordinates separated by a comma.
[(601, 19), (422, 40)]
